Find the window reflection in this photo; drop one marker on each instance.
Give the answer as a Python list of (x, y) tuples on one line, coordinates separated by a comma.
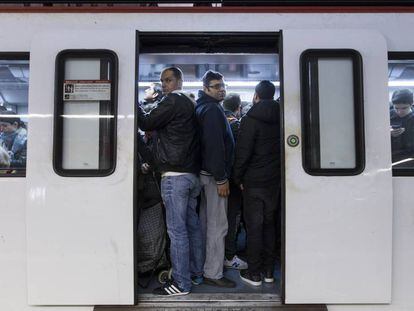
[(14, 83), (401, 76)]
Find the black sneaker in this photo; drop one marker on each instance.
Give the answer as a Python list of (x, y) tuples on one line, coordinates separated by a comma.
[(223, 282), (170, 289), (255, 280), (197, 280), (268, 276)]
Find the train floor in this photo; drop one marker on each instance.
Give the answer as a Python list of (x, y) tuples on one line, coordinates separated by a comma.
[(232, 274), (241, 286)]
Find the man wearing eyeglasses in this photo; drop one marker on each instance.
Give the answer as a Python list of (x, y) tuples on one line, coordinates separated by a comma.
[(217, 152)]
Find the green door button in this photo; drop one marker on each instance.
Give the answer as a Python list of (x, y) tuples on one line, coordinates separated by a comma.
[(293, 140)]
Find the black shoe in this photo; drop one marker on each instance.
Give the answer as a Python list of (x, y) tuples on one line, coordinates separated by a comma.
[(268, 276), (252, 279), (170, 289), (223, 282), (197, 280)]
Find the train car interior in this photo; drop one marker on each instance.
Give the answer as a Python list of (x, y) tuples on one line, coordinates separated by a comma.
[(243, 62)]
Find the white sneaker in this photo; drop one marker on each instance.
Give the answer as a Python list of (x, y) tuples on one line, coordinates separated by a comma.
[(235, 263)]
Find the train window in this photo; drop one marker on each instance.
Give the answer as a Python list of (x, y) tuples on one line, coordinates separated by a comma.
[(401, 88), (332, 112), (14, 86), (85, 113)]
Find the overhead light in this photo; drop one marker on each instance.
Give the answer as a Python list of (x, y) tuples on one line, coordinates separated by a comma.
[(401, 83), (200, 84)]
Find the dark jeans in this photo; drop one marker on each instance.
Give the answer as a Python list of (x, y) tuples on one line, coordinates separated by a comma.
[(260, 213), (180, 194), (234, 207)]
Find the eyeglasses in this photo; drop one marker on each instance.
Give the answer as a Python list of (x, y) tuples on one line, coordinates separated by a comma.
[(218, 86)]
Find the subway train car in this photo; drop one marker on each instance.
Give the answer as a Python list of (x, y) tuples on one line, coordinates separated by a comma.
[(71, 77)]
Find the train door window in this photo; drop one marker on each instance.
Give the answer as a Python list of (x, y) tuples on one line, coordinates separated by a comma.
[(401, 88), (243, 66), (85, 113), (14, 87), (332, 112)]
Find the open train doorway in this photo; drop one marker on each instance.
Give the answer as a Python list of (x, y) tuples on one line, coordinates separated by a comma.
[(244, 59)]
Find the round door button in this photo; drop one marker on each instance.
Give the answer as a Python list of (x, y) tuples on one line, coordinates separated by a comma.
[(293, 140)]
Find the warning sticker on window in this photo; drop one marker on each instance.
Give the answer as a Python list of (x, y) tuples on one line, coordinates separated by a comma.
[(93, 90)]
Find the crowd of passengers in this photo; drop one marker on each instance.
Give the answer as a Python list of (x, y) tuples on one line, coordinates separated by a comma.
[(209, 158), (13, 140)]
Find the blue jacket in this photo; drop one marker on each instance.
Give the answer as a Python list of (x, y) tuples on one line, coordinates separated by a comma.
[(217, 143)]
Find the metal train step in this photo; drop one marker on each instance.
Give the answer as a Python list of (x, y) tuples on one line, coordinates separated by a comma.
[(213, 302)]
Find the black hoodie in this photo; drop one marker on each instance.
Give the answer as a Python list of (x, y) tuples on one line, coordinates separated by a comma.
[(257, 163)]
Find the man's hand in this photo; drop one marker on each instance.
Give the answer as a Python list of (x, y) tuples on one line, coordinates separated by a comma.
[(224, 189), (145, 167), (241, 187), (397, 132)]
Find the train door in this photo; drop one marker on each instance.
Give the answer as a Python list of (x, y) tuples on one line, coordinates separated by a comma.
[(80, 170), (338, 188), (243, 59)]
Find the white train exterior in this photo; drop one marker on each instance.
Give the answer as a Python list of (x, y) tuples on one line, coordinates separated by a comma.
[(66, 243)]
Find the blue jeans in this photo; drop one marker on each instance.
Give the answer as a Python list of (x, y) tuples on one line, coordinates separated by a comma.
[(179, 194)]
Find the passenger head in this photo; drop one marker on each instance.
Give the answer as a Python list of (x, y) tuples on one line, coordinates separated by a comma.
[(171, 79), (153, 92), (402, 101), (232, 102), (213, 85), (265, 90), (9, 122)]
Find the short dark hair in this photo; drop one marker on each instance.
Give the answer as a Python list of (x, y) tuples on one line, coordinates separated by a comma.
[(7, 117), (211, 75), (265, 89), (178, 74), (232, 102), (404, 96)]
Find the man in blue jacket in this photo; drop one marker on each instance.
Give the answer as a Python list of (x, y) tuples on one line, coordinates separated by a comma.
[(217, 152)]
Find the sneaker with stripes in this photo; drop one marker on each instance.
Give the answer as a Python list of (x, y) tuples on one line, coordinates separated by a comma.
[(170, 289)]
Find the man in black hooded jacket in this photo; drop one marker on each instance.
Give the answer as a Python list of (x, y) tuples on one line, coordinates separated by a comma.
[(257, 171)]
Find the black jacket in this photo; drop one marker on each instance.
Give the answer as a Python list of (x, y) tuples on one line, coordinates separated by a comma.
[(148, 187), (403, 145), (175, 122), (217, 143), (234, 123), (257, 163)]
